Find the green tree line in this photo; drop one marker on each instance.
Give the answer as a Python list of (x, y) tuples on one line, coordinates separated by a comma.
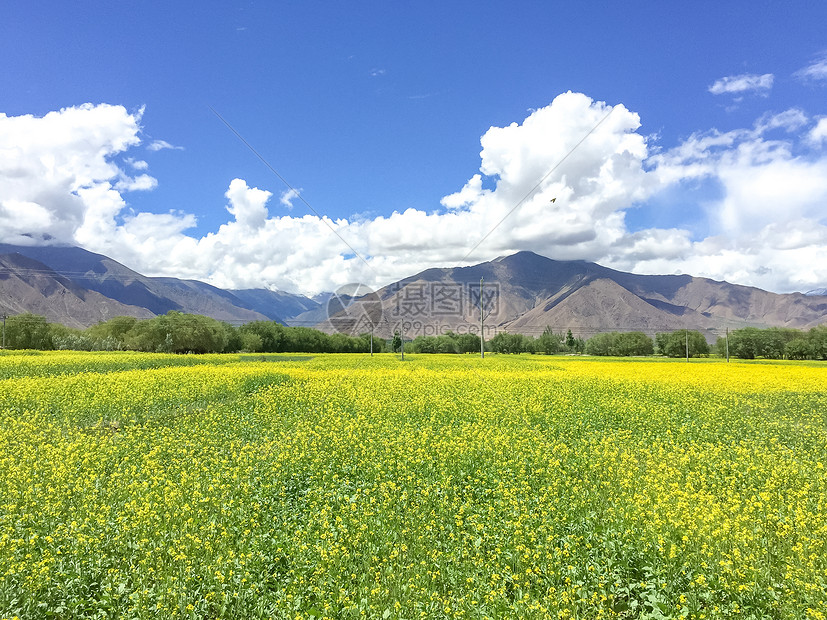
[(775, 343), (177, 332), (619, 344), (448, 342)]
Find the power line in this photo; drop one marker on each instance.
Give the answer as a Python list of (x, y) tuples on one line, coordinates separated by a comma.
[(538, 184), (290, 187)]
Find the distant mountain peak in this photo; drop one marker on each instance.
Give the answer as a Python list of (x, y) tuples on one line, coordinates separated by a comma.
[(534, 292), (528, 292)]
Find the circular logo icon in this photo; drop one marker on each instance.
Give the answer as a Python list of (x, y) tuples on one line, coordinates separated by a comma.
[(354, 309)]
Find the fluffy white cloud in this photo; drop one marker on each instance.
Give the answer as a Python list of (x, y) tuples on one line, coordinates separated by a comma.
[(742, 83), (57, 170), (790, 120), (141, 182), (288, 196), (818, 134), (248, 206), (160, 145), (471, 192), (560, 184), (769, 224), (137, 164), (815, 71)]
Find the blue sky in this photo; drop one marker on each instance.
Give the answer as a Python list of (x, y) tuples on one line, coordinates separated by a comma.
[(376, 108)]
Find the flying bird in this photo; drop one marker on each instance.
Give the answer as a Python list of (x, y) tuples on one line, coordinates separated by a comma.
[(553, 199)]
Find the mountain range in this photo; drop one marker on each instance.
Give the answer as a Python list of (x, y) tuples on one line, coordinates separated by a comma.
[(79, 288), (521, 293)]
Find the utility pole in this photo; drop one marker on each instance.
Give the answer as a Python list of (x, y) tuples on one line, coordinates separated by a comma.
[(482, 326), (686, 332), (727, 345), (4, 330), (371, 340), (402, 337)]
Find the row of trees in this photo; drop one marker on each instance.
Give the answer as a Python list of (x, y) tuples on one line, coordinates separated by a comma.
[(272, 337), (745, 343), (775, 343), (671, 344), (503, 342), (176, 332), (678, 343), (620, 343), (548, 342), (444, 343)]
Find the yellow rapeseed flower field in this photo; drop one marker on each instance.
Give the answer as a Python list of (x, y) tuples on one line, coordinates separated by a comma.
[(345, 486)]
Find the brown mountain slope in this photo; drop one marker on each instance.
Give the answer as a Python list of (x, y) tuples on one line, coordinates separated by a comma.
[(115, 281), (523, 292), (529, 292), (738, 305), (601, 305), (30, 286)]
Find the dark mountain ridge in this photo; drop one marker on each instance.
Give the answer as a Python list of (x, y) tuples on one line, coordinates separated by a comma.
[(141, 295), (524, 293), (534, 292), (29, 285)]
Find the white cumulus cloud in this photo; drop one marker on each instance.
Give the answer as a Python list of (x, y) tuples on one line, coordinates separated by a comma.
[(771, 194), (560, 183), (160, 145), (742, 83), (288, 196), (816, 71), (818, 134), (57, 169), (471, 192), (248, 205), (137, 164)]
